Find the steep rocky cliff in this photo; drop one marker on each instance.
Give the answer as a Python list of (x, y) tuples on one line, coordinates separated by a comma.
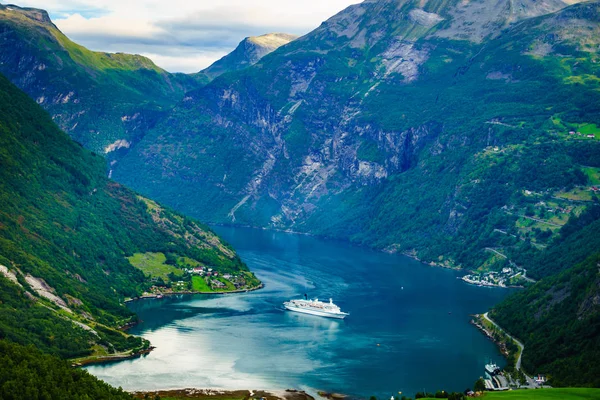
[(389, 125)]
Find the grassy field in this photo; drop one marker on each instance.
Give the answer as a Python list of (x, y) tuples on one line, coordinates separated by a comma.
[(589, 129), (593, 175), (577, 194), (186, 261), (228, 285), (153, 264), (543, 394), (200, 285)]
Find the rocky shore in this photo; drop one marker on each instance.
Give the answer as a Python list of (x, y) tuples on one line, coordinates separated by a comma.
[(218, 394), (155, 296)]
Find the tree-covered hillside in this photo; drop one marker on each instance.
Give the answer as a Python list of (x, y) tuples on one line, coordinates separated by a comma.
[(104, 101), (28, 374), (66, 232), (558, 321)]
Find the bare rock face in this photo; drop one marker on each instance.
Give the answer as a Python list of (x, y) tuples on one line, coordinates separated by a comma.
[(44, 290), (31, 13), (480, 19), (299, 125)]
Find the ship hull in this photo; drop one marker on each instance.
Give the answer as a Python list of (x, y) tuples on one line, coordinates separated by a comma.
[(315, 312)]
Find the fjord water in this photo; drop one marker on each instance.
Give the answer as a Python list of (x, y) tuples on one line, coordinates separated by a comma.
[(408, 329)]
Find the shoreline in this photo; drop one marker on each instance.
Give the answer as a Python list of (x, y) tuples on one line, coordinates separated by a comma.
[(430, 264), (190, 292), (113, 358), (388, 250), (475, 322), (224, 394), (82, 362), (491, 285)]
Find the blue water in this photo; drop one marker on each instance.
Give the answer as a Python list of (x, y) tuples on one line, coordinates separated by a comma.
[(408, 329)]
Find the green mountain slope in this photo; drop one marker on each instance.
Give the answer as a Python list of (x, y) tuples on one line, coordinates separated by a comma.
[(247, 53), (66, 232), (104, 101), (558, 321), (391, 127)]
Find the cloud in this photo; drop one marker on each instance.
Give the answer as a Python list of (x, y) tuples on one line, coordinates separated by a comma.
[(109, 26), (182, 35), (187, 62)]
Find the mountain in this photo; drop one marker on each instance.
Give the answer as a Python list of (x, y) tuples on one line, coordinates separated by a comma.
[(248, 53), (67, 234), (465, 134), (104, 101), (558, 318), (392, 126), (558, 321)]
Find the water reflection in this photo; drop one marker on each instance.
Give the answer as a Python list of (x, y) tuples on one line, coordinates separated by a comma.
[(399, 335)]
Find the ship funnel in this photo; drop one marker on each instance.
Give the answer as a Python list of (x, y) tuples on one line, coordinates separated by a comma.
[(330, 301)]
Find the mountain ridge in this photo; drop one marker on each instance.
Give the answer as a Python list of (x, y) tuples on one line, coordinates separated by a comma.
[(105, 101), (66, 232), (247, 53), (390, 127), (277, 117)]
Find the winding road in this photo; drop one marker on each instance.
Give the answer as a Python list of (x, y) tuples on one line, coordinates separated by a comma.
[(521, 345), (530, 382)]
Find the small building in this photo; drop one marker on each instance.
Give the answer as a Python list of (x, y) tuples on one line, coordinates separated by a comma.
[(217, 284)]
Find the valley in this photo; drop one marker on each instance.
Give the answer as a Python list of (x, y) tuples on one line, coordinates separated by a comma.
[(463, 135)]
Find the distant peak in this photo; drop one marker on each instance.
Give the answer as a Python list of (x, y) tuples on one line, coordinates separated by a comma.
[(272, 40), (248, 52)]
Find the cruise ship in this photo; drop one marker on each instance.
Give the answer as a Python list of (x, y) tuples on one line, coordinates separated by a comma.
[(315, 307)]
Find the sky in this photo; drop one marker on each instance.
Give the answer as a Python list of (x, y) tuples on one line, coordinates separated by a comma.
[(181, 35)]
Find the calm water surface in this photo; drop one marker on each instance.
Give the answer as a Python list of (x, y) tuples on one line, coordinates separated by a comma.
[(408, 329)]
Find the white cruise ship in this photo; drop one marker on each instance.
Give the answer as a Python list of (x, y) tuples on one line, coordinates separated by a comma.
[(315, 307)]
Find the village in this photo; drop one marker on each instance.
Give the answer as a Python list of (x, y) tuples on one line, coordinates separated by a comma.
[(201, 280), (212, 278), (512, 276)]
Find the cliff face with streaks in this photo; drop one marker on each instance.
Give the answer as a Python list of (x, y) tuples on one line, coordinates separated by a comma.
[(389, 125)]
